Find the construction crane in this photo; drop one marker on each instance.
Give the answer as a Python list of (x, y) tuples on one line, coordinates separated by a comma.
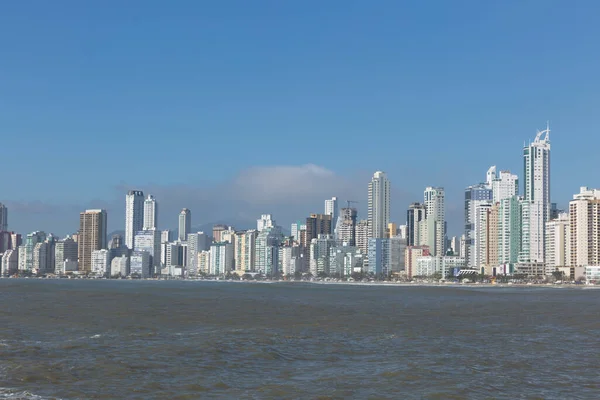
[(351, 201)]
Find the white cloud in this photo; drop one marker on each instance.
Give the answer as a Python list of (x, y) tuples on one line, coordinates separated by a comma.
[(291, 185)]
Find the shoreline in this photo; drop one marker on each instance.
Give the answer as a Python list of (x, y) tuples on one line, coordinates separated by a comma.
[(374, 283)]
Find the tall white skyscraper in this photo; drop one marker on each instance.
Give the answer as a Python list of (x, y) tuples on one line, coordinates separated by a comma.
[(331, 208), (504, 186), (379, 205), (3, 217), (436, 220), (150, 213), (134, 215), (185, 224), (536, 159)]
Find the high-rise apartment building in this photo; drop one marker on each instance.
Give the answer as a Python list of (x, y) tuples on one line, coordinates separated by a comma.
[(476, 197), (217, 232), (196, 242), (584, 222), (134, 215), (3, 217), (379, 205), (346, 228), (185, 224), (558, 243), (150, 213), (386, 255), (415, 216), (316, 224), (331, 208), (91, 236), (504, 186), (221, 258), (267, 250), (509, 231), (362, 237), (26, 259), (436, 220), (150, 242), (64, 250), (319, 254), (101, 260), (489, 239), (265, 221), (536, 179), (245, 251)]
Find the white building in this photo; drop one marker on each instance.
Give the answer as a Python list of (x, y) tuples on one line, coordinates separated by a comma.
[(173, 256), (185, 224), (65, 249), (319, 254), (331, 208), (196, 242), (509, 230), (436, 220), (134, 215), (379, 205), (204, 262), (536, 159), (505, 186), (267, 250), (416, 228), (140, 264), (149, 241), (10, 262), (558, 242), (430, 265), (345, 260), (101, 262), (221, 258), (265, 221), (289, 259), (150, 213), (119, 266), (477, 198), (245, 251)]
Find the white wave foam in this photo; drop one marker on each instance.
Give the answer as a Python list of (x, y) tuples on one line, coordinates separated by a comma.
[(6, 393)]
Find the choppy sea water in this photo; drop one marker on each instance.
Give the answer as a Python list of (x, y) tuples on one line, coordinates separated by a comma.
[(65, 339)]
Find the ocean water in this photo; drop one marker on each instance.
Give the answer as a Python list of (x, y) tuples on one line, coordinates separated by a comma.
[(66, 339)]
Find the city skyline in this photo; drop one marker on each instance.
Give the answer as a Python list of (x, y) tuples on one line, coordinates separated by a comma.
[(454, 211), (468, 99)]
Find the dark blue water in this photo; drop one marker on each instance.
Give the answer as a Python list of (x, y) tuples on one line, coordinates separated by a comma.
[(199, 340)]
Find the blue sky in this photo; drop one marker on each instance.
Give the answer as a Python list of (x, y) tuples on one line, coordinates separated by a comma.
[(192, 100)]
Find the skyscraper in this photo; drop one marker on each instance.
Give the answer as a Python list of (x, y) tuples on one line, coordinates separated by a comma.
[(476, 197), (150, 213), (584, 223), (3, 217), (331, 208), (436, 220), (185, 224), (379, 205), (536, 173), (91, 236), (134, 215), (558, 244), (347, 227), (504, 186), (415, 215)]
